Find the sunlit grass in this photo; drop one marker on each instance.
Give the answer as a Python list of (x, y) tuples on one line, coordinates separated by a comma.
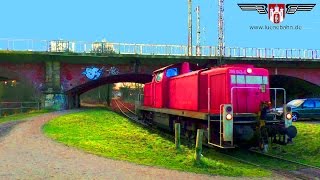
[(22, 116), (306, 146), (107, 134)]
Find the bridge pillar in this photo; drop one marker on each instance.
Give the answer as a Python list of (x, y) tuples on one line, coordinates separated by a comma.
[(53, 95), (109, 94), (73, 101)]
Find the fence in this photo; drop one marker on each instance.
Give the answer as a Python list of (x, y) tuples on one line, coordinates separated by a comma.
[(89, 48), (9, 108)]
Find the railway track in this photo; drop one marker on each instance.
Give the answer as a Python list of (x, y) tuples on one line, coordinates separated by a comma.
[(128, 113), (304, 172), (283, 159)]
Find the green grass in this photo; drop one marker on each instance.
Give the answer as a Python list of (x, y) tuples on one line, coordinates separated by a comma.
[(22, 116), (306, 146), (107, 134)]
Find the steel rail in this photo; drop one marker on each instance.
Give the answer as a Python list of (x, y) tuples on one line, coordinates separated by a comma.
[(283, 159), (134, 117)]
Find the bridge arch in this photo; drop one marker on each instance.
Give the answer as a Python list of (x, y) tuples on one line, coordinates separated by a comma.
[(295, 87), (6, 74), (310, 75), (17, 86), (73, 94), (3, 78), (32, 74)]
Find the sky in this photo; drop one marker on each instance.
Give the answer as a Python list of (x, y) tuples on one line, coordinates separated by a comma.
[(154, 22)]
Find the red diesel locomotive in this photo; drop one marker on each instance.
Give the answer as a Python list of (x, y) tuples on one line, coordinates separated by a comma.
[(230, 103)]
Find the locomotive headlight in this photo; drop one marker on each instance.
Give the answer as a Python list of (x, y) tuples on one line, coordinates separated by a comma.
[(249, 70), (288, 116), (229, 117)]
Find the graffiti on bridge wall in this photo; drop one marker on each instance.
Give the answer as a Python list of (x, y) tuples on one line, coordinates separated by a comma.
[(55, 101), (94, 73), (113, 71), (73, 75)]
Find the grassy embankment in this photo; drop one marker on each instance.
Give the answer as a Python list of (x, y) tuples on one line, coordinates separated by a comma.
[(107, 134), (22, 116), (306, 146)]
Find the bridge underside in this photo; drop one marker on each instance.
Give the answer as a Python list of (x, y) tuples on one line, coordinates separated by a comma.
[(137, 78), (4, 78), (73, 95), (295, 87)]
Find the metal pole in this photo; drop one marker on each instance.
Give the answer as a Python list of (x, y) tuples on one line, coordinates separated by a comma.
[(189, 27), (221, 27), (275, 98), (198, 52)]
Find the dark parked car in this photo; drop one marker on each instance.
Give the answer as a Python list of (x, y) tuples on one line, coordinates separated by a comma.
[(308, 108)]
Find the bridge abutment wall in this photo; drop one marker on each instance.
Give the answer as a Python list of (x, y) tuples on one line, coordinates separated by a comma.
[(53, 96)]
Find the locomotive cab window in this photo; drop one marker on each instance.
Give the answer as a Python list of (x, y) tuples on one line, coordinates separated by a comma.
[(238, 79), (242, 79), (159, 76), (172, 72)]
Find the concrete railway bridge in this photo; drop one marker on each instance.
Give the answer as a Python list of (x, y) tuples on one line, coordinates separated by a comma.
[(61, 71)]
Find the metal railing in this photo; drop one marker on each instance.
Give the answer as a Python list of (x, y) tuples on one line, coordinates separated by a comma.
[(8, 108), (152, 49)]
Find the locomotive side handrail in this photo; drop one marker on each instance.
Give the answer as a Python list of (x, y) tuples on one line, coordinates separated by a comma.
[(209, 116), (220, 145), (275, 96), (220, 124)]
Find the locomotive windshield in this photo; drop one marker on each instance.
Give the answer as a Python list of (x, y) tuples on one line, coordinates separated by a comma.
[(246, 79)]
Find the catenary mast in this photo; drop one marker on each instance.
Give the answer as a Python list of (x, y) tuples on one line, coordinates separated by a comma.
[(189, 27), (198, 50), (221, 28)]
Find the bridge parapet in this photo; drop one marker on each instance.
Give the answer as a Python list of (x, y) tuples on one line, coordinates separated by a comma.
[(96, 48)]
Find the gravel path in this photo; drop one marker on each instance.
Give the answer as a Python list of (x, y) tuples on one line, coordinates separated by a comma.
[(25, 153)]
